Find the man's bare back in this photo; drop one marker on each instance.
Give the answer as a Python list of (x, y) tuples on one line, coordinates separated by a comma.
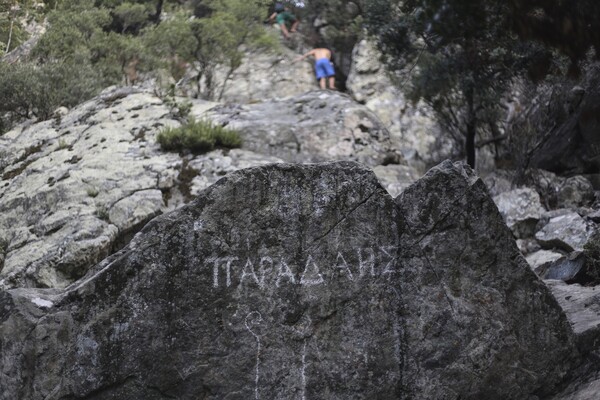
[(320, 53), (323, 66)]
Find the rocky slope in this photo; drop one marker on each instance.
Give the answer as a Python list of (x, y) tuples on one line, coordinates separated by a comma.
[(290, 281), (76, 188), (424, 297)]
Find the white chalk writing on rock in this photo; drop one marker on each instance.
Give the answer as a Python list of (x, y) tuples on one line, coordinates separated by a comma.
[(366, 263)]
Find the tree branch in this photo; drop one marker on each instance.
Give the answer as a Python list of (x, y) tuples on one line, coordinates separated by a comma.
[(488, 141)]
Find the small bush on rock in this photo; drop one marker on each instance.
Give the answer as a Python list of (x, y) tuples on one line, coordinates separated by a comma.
[(198, 136)]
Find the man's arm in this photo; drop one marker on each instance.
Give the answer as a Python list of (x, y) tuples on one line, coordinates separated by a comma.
[(302, 57)]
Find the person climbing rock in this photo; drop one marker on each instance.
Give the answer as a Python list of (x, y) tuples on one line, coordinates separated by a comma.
[(283, 17), (324, 69)]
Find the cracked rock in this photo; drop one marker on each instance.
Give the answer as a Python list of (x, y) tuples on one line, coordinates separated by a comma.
[(521, 209), (291, 281), (567, 231)]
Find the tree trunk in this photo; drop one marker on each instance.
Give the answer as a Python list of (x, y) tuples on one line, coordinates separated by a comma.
[(470, 145), (471, 129), (12, 22), (209, 84), (156, 17), (227, 77), (198, 85)]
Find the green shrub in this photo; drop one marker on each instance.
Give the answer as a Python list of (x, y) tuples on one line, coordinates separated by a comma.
[(198, 136), (29, 90), (228, 138)]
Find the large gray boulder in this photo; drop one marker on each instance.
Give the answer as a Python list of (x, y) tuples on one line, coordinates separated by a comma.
[(582, 307), (567, 231), (303, 282), (541, 259), (521, 209), (460, 256)]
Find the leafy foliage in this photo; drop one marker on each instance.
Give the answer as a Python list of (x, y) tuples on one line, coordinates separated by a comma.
[(463, 56), (12, 13), (214, 40), (71, 33), (198, 136), (571, 27), (30, 90), (132, 16), (90, 44)]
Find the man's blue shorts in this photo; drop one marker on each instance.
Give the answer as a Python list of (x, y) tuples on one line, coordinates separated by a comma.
[(324, 68)]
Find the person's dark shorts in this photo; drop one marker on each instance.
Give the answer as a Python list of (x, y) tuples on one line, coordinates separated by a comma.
[(324, 68)]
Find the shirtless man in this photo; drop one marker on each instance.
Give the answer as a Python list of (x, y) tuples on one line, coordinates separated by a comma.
[(323, 66)]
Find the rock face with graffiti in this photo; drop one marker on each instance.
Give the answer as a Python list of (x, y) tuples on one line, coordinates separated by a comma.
[(299, 282)]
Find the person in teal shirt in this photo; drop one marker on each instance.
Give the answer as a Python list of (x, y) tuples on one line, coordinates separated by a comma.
[(283, 17)]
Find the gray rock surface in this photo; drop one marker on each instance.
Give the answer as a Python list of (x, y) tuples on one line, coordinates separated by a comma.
[(314, 127), (299, 282), (73, 187), (498, 181), (451, 206), (76, 188), (576, 191), (410, 126), (570, 269), (262, 75), (568, 232), (540, 260), (521, 209), (573, 146), (582, 307), (582, 389)]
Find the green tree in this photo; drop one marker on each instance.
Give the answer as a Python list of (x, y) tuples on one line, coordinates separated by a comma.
[(573, 27), (462, 54), (30, 90), (72, 32), (81, 34), (211, 41), (12, 33), (132, 16), (113, 55)]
